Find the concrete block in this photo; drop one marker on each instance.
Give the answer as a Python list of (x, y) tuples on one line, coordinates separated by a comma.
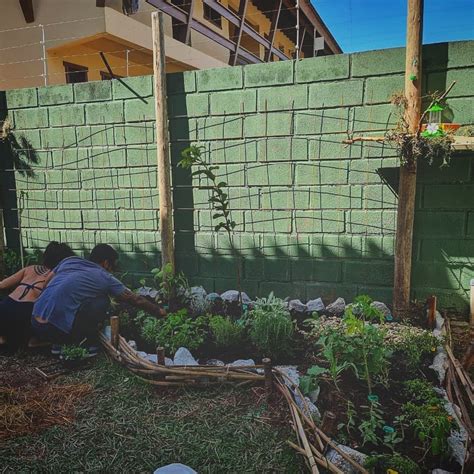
[(462, 110), (218, 128), (447, 250), (233, 151), (367, 171), (377, 273), (73, 199), (219, 266), (112, 199), (71, 158), (375, 118), (210, 80), (270, 124), (104, 112), (144, 198), (283, 98), (207, 223), (322, 172), (188, 264), (64, 219), (283, 245), (94, 91), (184, 129), (141, 156), (26, 183), (244, 244), (119, 240), (430, 274), (107, 158), (330, 291), (191, 105), (135, 134), (276, 269), (139, 110), (283, 149), (381, 89), (145, 241), (63, 179), (58, 137), (253, 268), (180, 82), (40, 200), (133, 87), (270, 174), (205, 243), (319, 221), (378, 62), (336, 94), (460, 53), (378, 246), (233, 102), (269, 74), (96, 135), (323, 68), (19, 98), (138, 219), (330, 147), (31, 118), (66, 115), (440, 81), (101, 178), (268, 221), (336, 197), (379, 197), (336, 246), (371, 222), (28, 139), (439, 224), (101, 220), (315, 122), (448, 196), (56, 95), (137, 178), (285, 198)]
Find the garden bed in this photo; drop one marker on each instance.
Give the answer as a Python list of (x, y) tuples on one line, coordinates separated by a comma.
[(373, 378)]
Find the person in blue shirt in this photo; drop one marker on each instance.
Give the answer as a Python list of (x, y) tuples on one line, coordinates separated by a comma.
[(78, 296)]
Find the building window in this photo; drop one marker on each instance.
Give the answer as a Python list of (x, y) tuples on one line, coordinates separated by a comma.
[(75, 73), (212, 16)]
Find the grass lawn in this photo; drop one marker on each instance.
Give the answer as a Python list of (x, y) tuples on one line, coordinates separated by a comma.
[(124, 425)]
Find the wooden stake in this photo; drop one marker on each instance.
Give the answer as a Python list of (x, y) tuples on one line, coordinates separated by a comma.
[(432, 311), (2, 245), (162, 141), (407, 185), (267, 368), (328, 424), (114, 326), (160, 354)]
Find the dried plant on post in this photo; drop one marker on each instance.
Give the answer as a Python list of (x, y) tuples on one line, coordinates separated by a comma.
[(219, 200)]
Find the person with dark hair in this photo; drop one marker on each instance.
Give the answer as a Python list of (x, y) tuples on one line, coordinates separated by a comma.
[(28, 284), (77, 299)]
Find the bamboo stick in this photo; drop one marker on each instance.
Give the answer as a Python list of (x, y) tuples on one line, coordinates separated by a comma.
[(114, 326), (267, 364), (304, 440), (461, 375), (160, 355)]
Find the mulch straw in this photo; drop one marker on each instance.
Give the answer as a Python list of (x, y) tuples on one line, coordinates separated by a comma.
[(29, 410)]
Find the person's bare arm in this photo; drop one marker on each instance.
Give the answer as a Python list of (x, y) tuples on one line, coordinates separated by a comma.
[(12, 281), (140, 302)]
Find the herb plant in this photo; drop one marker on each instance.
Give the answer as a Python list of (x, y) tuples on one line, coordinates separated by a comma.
[(225, 332), (271, 327), (73, 352), (309, 382), (415, 345), (169, 282), (177, 330), (372, 424), (391, 462)]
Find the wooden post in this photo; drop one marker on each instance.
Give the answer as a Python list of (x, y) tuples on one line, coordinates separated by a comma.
[(432, 311), (2, 245), (160, 354), (407, 185), (267, 368), (114, 326), (162, 141)]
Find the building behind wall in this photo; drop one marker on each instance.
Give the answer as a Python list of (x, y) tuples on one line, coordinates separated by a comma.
[(46, 42)]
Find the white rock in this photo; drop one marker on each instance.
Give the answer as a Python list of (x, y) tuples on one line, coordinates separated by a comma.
[(292, 373), (107, 332), (440, 364), (314, 395), (242, 363), (316, 305), (307, 406), (382, 307), (215, 362), (233, 296), (439, 321), (341, 463), (336, 308), (152, 358), (440, 471), (184, 357), (147, 291), (133, 345), (168, 361), (297, 305), (175, 468)]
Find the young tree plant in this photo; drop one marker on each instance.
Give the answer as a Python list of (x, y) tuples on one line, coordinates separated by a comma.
[(219, 200)]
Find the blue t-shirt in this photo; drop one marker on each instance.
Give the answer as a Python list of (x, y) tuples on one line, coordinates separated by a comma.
[(76, 281)]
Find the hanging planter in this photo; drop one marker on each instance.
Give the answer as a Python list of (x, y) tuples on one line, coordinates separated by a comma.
[(435, 126)]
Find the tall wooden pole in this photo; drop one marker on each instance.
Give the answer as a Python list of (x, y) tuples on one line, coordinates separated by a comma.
[(162, 141), (407, 186), (2, 245)]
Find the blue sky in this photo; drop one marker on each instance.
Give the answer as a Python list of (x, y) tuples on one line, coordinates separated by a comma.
[(360, 25)]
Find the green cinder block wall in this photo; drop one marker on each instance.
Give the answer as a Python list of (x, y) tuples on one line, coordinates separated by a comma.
[(314, 217)]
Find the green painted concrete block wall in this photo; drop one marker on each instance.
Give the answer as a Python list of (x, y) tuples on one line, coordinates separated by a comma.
[(314, 217)]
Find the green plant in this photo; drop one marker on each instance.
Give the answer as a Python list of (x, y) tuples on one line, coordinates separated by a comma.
[(391, 437), (219, 199), (225, 332), (169, 282), (309, 382), (366, 349), (177, 330), (351, 419), (271, 327), (415, 345), (332, 345), (362, 307), (73, 352), (394, 462), (373, 423), (431, 425), (421, 392)]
